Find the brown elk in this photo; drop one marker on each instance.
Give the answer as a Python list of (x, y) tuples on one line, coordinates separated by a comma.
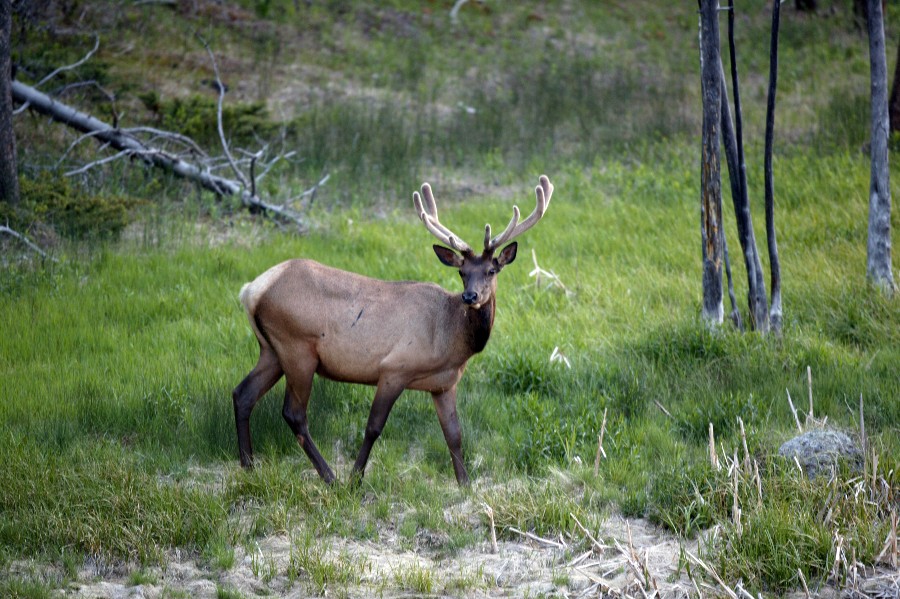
[(311, 319)]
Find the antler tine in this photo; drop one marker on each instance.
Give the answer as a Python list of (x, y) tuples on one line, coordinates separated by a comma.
[(428, 214), (543, 193)]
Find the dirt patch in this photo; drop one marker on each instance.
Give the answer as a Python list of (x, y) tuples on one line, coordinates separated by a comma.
[(385, 567)]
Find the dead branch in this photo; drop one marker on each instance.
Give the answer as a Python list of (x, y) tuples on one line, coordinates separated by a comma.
[(28, 243), (129, 145), (221, 99), (63, 69)]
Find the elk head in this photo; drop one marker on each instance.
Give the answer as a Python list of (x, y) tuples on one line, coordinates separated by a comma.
[(479, 273)]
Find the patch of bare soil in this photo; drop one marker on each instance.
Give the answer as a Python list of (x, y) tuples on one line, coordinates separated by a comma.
[(616, 560)]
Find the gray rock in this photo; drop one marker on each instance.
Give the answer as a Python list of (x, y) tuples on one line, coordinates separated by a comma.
[(818, 451)]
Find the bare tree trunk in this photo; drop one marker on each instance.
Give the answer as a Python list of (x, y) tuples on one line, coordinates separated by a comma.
[(733, 142), (775, 310), (894, 102), (710, 167), (878, 255), (9, 179)]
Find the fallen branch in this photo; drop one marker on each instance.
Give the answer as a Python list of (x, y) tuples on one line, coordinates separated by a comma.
[(537, 539), (30, 244), (62, 69)]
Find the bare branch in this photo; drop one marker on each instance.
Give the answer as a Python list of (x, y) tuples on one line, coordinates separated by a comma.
[(74, 65), (30, 244), (100, 162), (221, 88), (168, 136)]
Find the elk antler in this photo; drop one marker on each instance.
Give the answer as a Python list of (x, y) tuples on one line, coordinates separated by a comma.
[(429, 215), (542, 192)]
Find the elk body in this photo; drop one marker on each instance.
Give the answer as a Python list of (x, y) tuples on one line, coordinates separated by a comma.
[(312, 319)]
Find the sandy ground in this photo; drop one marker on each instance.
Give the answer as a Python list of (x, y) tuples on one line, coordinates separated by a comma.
[(601, 565)]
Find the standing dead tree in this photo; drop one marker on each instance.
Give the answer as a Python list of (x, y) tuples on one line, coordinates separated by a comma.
[(716, 106), (711, 234), (878, 247), (9, 181)]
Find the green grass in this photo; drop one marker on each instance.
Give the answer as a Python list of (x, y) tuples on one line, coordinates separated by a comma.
[(117, 361), (118, 368)]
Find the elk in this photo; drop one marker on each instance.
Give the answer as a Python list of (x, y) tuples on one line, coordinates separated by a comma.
[(312, 319)]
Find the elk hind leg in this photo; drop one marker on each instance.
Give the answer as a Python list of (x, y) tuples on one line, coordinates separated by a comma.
[(296, 400), (245, 396)]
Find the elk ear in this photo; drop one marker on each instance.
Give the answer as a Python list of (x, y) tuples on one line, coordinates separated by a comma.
[(507, 254), (448, 256)]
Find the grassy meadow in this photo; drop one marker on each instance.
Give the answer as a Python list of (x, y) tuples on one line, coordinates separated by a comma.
[(119, 354)]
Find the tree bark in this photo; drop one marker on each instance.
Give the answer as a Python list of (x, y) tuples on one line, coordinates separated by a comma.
[(712, 246), (775, 310), (9, 178), (733, 142), (878, 255), (894, 102)]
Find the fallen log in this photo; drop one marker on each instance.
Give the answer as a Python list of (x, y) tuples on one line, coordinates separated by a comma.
[(129, 145)]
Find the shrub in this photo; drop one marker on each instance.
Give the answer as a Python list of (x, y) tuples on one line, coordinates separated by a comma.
[(53, 205)]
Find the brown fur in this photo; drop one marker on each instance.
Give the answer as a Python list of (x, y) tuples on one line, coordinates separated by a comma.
[(313, 319)]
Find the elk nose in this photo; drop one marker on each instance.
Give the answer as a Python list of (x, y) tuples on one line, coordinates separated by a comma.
[(469, 297)]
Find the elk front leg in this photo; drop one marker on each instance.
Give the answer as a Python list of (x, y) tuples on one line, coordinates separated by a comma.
[(385, 395), (445, 405), (263, 376)]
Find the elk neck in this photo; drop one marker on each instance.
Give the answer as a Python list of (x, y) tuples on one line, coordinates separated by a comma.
[(478, 325)]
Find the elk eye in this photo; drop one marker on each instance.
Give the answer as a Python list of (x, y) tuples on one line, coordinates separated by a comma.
[(492, 271)]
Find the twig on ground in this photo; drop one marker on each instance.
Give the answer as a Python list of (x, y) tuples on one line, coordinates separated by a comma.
[(838, 553), (538, 273), (490, 514), (803, 582), (809, 416), (890, 545), (744, 443), (713, 457), (741, 591), (600, 450), (758, 483), (663, 408), (794, 411), (558, 356), (728, 591), (595, 544), (537, 539), (862, 426)]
